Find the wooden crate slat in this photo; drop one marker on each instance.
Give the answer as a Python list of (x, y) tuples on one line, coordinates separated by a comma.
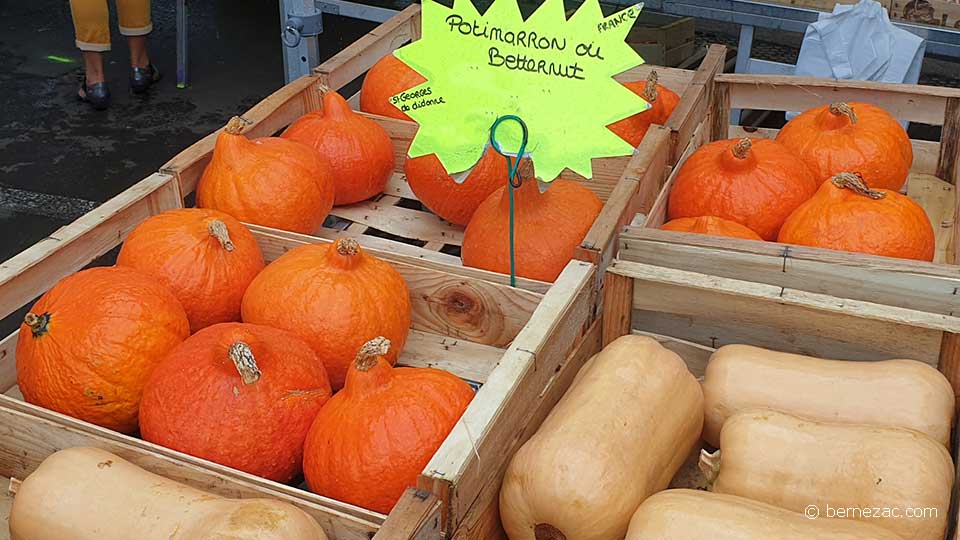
[(895, 282), (277, 242), (414, 224), (465, 359), (8, 361), (416, 516), (715, 310), (28, 440), (492, 422), (913, 103), (361, 55), (482, 520), (398, 187), (693, 109), (30, 273), (272, 249), (937, 198)]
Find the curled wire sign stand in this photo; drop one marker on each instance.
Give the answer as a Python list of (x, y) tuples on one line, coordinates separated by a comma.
[(513, 180)]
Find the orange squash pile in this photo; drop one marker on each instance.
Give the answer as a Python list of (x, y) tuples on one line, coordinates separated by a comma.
[(829, 180), (268, 181), (358, 150), (336, 297), (252, 393), (548, 227), (205, 257), (851, 137), (387, 78), (374, 438), (87, 347), (848, 216), (662, 102)]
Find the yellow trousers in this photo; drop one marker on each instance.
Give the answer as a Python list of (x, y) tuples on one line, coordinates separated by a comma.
[(91, 21)]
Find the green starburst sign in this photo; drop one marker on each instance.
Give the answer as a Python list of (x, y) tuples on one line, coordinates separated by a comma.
[(553, 73)]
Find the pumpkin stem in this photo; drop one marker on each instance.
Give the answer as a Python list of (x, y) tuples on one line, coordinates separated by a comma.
[(742, 148), (218, 230), (545, 531), (242, 357), (840, 107), (710, 465), (347, 246), (38, 323), (370, 351), (235, 125), (14, 486), (650, 91), (855, 182)]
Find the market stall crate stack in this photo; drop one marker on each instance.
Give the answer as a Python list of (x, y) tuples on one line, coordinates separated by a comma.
[(520, 345), (931, 183), (695, 313), (396, 220)]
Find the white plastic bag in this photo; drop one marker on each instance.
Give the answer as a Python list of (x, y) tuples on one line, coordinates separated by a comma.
[(859, 42)]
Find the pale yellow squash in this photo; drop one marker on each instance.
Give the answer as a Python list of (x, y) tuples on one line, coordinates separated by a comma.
[(857, 471), (687, 514), (898, 393), (619, 434), (91, 494)]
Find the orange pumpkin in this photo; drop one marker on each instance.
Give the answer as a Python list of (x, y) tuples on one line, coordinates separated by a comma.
[(711, 225), (846, 215), (268, 181), (359, 150), (851, 137), (662, 102), (241, 395), (754, 182), (336, 297), (440, 193), (88, 345), (205, 257), (387, 78), (548, 227), (373, 439)]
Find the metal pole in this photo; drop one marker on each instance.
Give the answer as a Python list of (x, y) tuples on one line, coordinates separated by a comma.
[(181, 44), (301, 58)]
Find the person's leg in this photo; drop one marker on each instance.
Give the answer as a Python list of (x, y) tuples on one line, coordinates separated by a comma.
[(138, 51), (135, 23), (91, 22)]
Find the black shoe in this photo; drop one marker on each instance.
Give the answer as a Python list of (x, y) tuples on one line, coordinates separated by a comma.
[(142, 78), (96, 94)]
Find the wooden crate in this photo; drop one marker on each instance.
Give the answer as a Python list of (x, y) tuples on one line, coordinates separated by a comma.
[(28, 440), (694, 313), (932, 183), (521, 346), (412, 229), (662, 39)]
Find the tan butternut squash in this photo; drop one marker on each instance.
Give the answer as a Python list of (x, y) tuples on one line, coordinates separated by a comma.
[(619, 434), (91, 494), (792, 462), (687, 514), (897, 393)]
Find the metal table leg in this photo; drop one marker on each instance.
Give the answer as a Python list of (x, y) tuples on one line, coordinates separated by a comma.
[(181, 44)]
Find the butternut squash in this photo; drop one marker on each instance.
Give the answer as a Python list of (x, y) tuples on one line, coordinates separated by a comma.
[(91, 494), (792, 462), (897, 393), (688, 514), (619, 434)]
